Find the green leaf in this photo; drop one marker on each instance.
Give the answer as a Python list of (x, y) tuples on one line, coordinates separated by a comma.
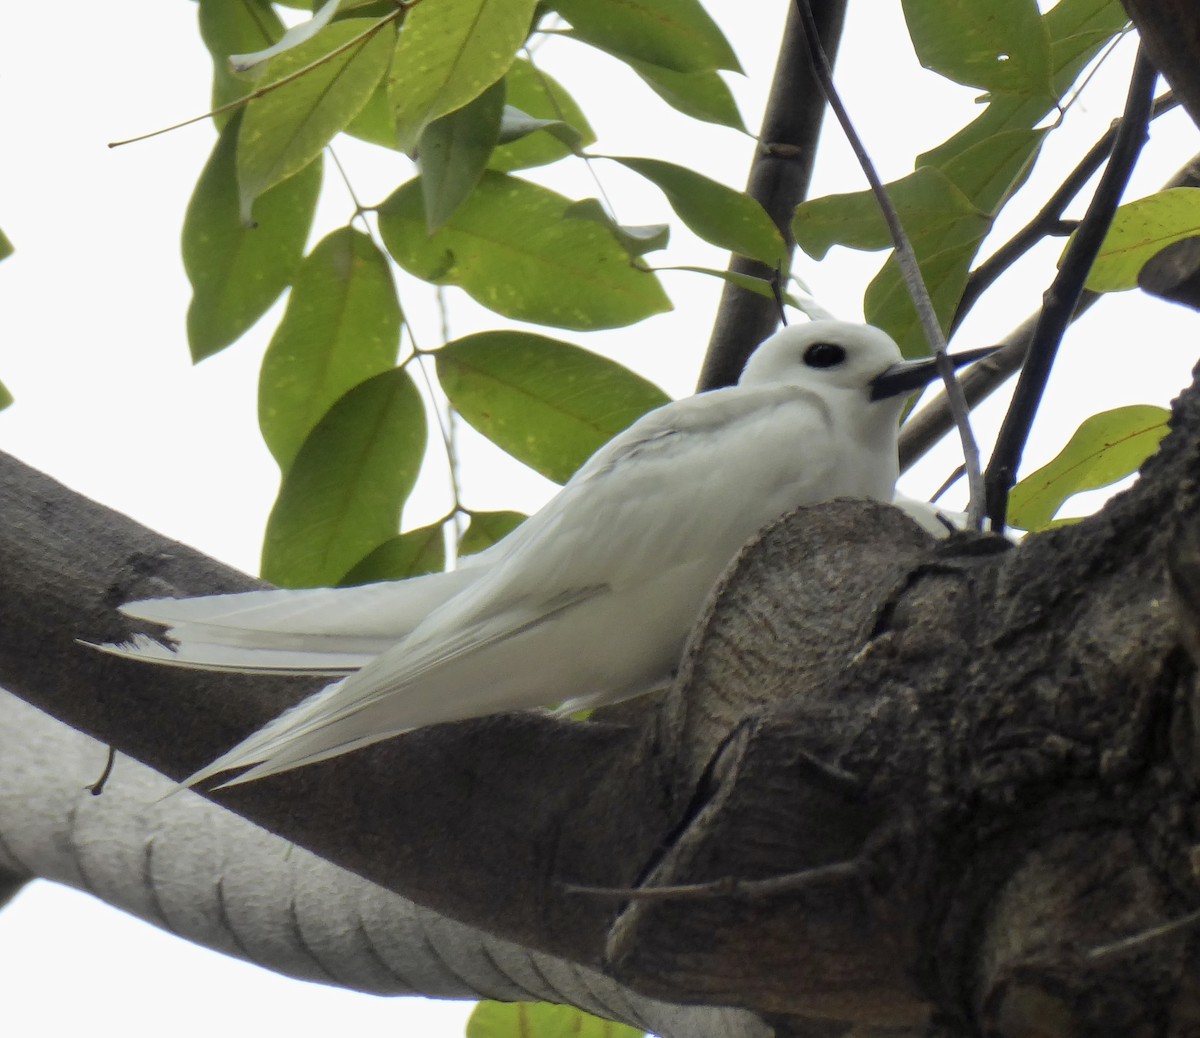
[(942, 224), (888, 305), (1105, 448), (486, 528), (1003, 46), (1077, 30), (547, 403), (510, 248), (233, 28), (759, 286), (516, 125), (454, 151), (540, 97), (541, 1020), (405, 555), (929, 204), (284, 130), (296, 35), (1139, 230), (375, 123), (636, 241), (990, 171), (6, 246), (727, 218), (343, 494), (236, 271), (676, 34), (450, 52), (341, 326), (702, 95), (6, 398)]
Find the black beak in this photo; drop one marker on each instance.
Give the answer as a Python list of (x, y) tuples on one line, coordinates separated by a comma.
[(910, 375)]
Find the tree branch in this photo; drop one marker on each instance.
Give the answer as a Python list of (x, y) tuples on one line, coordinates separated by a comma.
[(1170, 31), (934, 421), (1063, 295), (1049, 218), (779, 178)]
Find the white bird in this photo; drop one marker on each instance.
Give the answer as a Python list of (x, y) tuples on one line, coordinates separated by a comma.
[(592, 598)]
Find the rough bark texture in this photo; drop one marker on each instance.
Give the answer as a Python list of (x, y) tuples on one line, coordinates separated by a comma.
[(1170, 30), (988, 754)]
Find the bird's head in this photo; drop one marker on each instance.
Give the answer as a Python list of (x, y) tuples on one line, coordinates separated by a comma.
[(839, 355)]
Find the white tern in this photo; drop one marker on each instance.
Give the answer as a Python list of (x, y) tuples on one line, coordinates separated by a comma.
[(592, 598)]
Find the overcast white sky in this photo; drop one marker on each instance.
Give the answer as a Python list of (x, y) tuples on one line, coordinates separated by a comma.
[(92, 344)]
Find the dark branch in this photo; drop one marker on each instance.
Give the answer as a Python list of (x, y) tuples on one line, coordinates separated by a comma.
[(934, 421), (1063, 295), (1170, 31), (778, 179), (1049, 220)]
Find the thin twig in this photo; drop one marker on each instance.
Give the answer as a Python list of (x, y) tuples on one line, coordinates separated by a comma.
[(933, 421), (1063, 295), (910, 270), (254, 95), (729, 886), (1154, 933), (1049, 217)]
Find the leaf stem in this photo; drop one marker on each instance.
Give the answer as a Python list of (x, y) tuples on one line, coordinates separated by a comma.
[(1063, 295), (910, 270), (254, 95)]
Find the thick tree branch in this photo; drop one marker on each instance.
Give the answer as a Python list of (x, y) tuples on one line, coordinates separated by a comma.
[(778, 179), (933, 720), (216, 879), (1170, 31)]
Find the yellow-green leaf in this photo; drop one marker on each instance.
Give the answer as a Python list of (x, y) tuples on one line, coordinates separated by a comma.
[(511, 249), (1105, 448), (236, 271), (285, 129), (1139, 230), (448, 53), (541, 1020), (341, 326)]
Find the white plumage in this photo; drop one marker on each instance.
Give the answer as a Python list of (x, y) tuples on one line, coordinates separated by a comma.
[(592, 598)]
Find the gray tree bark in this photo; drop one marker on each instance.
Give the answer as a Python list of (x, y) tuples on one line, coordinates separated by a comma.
[(913, 780)]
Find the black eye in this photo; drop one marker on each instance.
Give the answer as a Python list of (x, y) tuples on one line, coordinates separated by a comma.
[(824, 355)]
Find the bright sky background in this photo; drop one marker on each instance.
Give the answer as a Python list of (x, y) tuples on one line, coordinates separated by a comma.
[(92, 345)]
